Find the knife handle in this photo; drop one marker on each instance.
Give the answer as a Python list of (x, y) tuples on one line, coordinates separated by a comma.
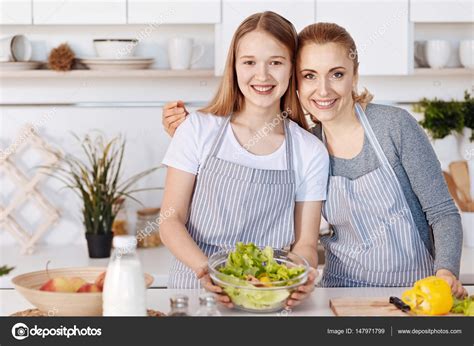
[(399, 304)]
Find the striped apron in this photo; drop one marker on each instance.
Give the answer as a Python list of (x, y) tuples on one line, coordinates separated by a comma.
[(233, 203), (374, 240)]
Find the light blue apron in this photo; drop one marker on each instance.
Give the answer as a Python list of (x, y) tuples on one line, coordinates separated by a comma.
[(233, 203), (374, 240)]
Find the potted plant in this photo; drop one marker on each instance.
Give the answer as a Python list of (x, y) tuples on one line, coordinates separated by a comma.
[(442, 120), (98, 182)]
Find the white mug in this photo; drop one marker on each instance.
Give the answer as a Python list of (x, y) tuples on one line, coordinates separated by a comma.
[(15, 48), (437, 53), (466, 53), (182, 53)]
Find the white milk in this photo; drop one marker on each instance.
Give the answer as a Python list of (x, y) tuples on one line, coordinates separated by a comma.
[(124, 291)]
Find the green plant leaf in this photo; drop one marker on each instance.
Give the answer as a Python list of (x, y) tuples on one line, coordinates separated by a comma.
[(441, 118), (4, 270)]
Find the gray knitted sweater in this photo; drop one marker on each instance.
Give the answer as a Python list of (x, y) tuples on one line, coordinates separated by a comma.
[(412, 157)]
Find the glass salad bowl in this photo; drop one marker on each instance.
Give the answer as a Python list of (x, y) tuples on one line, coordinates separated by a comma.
[(258, 280)]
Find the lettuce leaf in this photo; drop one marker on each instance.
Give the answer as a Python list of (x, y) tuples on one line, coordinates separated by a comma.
[(464, 306), (248, 259)]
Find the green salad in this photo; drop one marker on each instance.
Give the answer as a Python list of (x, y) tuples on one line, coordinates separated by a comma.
[(464, 306), (249, 266)]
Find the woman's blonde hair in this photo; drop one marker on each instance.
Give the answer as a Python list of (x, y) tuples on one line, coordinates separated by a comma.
[(321, 33), (229, 99)]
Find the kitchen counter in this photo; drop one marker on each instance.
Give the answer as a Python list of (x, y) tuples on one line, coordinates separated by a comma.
[(158, 299), (155, 261)]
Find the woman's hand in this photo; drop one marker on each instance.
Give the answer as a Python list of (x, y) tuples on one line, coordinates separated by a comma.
[(456, 286), (206, 282), (174, 113), (303, 291)]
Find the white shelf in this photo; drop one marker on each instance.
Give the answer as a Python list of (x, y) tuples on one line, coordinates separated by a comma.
[(456, 71), (145, 73)]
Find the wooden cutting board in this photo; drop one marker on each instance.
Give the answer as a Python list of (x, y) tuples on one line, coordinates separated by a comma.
[(358, 306)]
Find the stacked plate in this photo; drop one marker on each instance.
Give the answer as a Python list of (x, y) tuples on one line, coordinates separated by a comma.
[(129, 63), (19, 65)]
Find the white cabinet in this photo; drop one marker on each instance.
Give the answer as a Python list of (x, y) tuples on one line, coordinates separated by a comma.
[(441, 11), (15, 12), (79, 12), (380, 28), (300, 13), (174, 12)]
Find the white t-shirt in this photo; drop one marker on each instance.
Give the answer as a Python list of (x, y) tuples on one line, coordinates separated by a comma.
[(193, 140)]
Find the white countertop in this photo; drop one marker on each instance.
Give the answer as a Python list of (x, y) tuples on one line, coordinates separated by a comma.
[(155, 261), (158, 299)]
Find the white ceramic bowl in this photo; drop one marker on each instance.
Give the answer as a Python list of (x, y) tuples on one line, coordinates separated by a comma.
[(437, 53), (115, 48), (466, 53)]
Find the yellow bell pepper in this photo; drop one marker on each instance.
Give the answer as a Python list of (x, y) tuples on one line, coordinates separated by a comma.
[(429, 296), (265, 280)]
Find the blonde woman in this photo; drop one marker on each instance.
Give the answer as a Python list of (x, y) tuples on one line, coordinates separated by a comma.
[(392, 218), (227, 180)]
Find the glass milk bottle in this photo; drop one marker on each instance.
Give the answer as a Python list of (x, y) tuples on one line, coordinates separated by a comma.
[(124, 291)]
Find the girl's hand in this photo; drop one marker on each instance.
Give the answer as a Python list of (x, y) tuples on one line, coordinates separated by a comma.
[(456, 286), (303, 291), (174, 113), (207, 283)]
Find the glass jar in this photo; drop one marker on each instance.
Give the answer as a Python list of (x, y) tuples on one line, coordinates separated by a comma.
[(179, 305), (147, 227), (207, 305), (120, 224)]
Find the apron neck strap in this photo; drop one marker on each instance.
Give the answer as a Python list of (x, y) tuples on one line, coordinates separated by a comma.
[(220, 137), (371, 136), (289, 145)]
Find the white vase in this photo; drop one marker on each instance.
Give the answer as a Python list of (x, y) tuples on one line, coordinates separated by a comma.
[(466, 147), (466, 53), (470, 167), (447, 150)]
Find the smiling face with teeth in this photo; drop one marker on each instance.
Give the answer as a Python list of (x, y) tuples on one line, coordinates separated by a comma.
[(326, 80), (263, 68)]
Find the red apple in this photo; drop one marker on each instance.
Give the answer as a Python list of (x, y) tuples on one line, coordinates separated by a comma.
[(88, 287), (99, 281), (59, 284)]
